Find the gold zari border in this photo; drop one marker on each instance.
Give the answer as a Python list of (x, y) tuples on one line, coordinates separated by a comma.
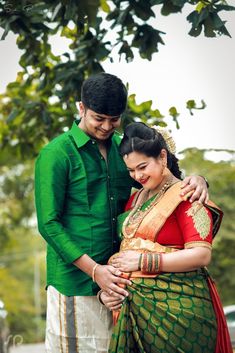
[(194, 244)]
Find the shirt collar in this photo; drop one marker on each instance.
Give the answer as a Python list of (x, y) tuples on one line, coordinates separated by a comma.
[(80, 137)]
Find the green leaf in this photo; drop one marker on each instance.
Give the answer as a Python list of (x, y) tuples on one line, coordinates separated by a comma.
[(138, 108), (169, 7), (105, 6), (173, 112), (56, 11), (14, 113), (209, 28)]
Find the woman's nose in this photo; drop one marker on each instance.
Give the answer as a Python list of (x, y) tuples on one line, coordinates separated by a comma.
[(138, 175)]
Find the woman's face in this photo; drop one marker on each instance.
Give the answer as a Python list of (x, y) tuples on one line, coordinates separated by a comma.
[(148, 171)]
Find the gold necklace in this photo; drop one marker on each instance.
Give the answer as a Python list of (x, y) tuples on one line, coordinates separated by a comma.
[(135, 217)]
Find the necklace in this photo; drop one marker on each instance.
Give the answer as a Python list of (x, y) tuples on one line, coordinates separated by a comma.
[(137, 214)]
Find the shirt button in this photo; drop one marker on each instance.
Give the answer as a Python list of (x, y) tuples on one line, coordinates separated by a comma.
[(113, 219), (111, 198), (115, 242), (108, 176), (93, 142)]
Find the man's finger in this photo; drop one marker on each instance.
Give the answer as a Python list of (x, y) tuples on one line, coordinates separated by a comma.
[(203, 197), (116, 307), (185, 182), (119, 291), (196, 194)]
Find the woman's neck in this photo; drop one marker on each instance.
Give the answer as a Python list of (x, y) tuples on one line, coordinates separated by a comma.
[(167, 180)]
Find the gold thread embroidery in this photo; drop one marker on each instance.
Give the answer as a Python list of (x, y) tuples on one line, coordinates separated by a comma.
[(194, 244), (201, 220)]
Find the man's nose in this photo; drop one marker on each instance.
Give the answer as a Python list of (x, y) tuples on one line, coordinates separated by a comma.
[(107, 125)]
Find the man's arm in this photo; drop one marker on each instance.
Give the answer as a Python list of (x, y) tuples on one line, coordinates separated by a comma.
[(51, 175), (50, 187)]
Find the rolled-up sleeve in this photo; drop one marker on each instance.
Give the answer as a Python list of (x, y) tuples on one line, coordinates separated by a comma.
[(51, 178)]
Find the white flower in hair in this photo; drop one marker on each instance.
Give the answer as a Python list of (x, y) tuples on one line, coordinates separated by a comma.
[(167, 137)]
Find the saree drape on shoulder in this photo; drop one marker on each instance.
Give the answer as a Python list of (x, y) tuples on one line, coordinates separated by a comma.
[(169, 312)]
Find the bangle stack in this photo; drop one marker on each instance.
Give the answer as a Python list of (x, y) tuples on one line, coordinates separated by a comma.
[(150, 262), (93, 272)]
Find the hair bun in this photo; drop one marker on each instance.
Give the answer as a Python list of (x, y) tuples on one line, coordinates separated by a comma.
[(167, 137)]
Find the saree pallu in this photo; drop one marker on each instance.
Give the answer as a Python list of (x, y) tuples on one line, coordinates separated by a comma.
[(170, 313)]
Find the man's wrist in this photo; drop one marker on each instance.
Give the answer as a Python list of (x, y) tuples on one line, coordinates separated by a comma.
[(98, 295), (206, 181)]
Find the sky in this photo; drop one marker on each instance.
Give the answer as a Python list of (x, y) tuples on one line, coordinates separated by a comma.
[(184, 68)]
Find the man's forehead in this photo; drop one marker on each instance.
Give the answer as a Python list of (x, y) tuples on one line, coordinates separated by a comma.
[(104, 116)]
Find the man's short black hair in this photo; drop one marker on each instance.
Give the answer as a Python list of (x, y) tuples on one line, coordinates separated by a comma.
[(104, 94)]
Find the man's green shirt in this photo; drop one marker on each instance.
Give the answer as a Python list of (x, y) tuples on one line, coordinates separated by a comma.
[(78, 197)]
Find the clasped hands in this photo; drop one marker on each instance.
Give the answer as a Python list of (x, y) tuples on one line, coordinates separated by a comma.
[(109, 280)]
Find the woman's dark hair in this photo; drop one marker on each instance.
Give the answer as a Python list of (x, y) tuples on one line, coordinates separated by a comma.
[(141, 138), (104, 94)]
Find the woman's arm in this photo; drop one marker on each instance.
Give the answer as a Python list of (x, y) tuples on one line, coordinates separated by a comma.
[(179, 261)]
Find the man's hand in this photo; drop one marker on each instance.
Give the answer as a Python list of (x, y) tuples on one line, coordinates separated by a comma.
[(107, 278), (111, 302), (198, 184)]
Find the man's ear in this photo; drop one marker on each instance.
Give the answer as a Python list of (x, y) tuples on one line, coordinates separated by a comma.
[(82, 109)]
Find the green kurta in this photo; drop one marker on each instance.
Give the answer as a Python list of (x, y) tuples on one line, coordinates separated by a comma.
[(78, 197)]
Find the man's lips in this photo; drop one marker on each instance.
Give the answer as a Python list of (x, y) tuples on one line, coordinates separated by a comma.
[(144, 181), (105, 132)]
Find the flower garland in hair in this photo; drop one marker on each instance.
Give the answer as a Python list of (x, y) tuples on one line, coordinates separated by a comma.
[(167, 137)]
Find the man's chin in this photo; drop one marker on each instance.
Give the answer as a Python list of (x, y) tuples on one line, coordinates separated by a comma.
[(102, 136)]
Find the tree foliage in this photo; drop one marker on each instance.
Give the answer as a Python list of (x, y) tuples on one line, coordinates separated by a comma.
[(22, 254), (42, 101)]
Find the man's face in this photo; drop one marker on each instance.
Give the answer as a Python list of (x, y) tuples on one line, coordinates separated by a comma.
[(98, 126)]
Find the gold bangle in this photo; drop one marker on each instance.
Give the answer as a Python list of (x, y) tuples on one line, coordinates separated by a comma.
[(93, 272)]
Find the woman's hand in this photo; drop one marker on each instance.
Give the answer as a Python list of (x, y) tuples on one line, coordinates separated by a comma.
[(126, 261), (198, 184), (111, 302)]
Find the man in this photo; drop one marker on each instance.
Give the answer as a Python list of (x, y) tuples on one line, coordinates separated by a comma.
[(81, 185)]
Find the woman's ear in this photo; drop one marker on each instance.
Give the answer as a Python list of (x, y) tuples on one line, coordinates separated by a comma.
[(163, 155)]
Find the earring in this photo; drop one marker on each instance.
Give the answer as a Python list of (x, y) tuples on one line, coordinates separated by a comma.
[(163, 167)]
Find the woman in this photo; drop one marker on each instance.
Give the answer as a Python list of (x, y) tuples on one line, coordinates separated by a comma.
[(172, 305)]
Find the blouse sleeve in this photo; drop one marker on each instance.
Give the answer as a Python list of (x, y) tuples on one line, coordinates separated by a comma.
[(195, 222), (129, 204)]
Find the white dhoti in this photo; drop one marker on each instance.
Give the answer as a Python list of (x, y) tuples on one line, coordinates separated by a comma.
[(76, 324)]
